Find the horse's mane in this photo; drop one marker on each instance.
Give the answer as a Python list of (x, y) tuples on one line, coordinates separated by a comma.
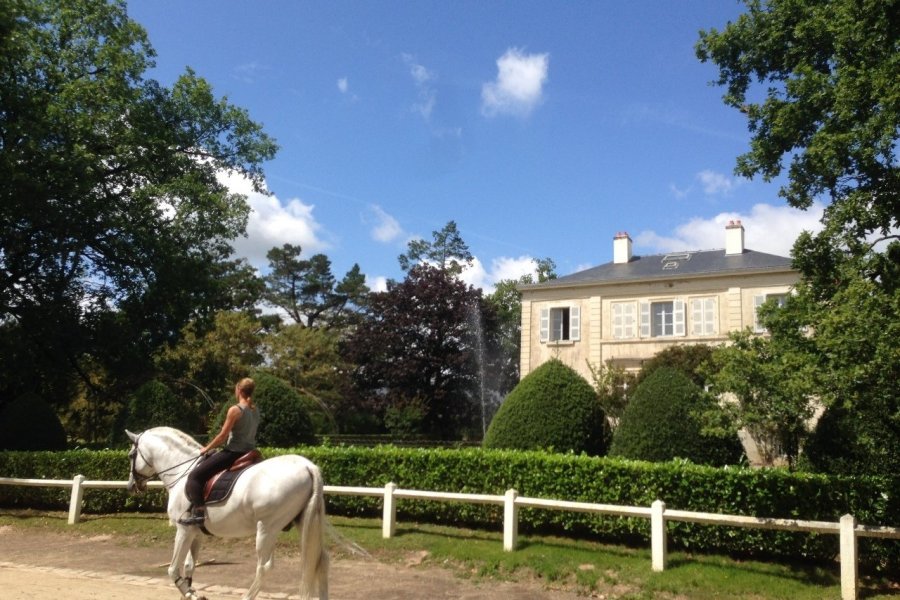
[(178, 436)]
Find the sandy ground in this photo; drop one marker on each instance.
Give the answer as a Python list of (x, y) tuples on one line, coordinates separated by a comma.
[(63, 566)]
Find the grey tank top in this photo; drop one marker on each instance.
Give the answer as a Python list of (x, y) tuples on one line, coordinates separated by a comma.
[(243, 435)]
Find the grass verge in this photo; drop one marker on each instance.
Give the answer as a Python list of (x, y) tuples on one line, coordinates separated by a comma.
[(590, 568)]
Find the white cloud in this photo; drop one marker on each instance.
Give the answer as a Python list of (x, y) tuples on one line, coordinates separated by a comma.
[(377, 283), (501, 268), (386, 228), (715, 183), (343, 85), (770, 229), (422, 77), (519, 87), (273, 223)]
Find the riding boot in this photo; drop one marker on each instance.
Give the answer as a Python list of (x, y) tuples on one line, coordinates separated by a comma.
[(197, 516)]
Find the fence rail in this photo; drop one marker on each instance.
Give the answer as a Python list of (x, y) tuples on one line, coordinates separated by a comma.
[(847, 528)]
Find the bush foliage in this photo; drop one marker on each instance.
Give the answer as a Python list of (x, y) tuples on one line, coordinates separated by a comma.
[(154, 405), (553, 407), (773, 493), (284, 414), (29, 423), (662, 422)]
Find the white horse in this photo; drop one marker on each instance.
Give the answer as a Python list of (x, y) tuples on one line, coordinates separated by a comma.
[(267, 498)]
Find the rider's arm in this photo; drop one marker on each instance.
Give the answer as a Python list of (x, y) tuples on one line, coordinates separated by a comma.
[(234, 413)]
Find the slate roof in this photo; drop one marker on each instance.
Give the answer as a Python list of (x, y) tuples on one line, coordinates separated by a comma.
[(674, 265)]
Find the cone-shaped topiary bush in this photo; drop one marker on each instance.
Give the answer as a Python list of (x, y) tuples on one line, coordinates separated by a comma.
[(284, 417), (553, 407), (29, 423), (661, 422)]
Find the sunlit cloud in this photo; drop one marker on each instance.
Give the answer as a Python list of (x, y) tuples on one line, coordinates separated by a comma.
[(714, 183), (770, 229), (426, 94), (502, 268), (273, 222), (343, 85), (386, 228), (519, 87)]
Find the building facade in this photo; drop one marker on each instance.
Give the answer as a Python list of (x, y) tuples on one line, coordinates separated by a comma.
[(626, 311)]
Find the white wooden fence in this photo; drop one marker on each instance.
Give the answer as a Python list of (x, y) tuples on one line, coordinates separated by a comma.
[(847, 528)]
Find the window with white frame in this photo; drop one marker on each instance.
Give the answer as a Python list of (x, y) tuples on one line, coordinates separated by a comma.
[(759, 300), (662, 318), (624, 320), (704, 317), (560, 324)]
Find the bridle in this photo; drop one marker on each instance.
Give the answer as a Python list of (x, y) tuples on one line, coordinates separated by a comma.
[(140, 478)]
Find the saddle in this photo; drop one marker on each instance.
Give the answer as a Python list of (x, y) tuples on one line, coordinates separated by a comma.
[(219, 486)]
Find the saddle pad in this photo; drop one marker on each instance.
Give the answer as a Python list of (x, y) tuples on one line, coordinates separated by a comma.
[(219, 486)]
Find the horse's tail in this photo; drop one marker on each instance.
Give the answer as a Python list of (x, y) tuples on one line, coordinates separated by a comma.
[(313, 555)]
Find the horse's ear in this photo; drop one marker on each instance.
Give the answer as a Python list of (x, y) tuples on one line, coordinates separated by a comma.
[(132, 436)]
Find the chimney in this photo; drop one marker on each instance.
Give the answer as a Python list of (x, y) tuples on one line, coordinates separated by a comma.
[(621, 248), (734, 238)]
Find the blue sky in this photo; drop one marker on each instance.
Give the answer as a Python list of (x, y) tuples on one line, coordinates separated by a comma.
[(541, 128)]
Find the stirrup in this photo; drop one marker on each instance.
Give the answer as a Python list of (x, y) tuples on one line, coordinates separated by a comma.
[(197, 517)]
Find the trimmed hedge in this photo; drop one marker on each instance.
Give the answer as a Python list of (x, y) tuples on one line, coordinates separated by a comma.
[(740, 491)]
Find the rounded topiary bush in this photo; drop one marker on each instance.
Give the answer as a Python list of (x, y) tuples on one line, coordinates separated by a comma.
[(154, 405), (661, 423), (284, 417), (29, 423), (553, 407)]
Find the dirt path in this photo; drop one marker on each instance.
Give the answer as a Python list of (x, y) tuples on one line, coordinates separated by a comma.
[(62, 566)]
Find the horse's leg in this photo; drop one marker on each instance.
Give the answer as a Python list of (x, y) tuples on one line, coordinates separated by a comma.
[(192, 560), (184, 537), (265, 556)]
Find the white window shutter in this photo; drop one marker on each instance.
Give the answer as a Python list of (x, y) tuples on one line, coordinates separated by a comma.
[(618, 320), (758, 300), (545, 325), (697, 316), (712, 316), (574, 323), (645, 319), (678, 317)]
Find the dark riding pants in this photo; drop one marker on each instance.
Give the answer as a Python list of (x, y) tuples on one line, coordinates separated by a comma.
[(206, 468)]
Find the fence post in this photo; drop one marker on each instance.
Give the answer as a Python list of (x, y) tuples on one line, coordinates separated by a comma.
[(75, 500), (658, 542), (510, 520), (849, 562), (389, 519)]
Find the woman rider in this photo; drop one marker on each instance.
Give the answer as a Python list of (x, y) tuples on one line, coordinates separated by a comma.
[(239, 434)]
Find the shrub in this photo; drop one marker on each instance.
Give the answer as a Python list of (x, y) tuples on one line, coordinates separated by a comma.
[(850, 442), (661, 422), (765, 493), (284, 420), (687, 359), (154, 405), (553, 407), (29, 423)]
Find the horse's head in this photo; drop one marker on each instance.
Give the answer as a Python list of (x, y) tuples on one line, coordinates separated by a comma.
[(141, 470)]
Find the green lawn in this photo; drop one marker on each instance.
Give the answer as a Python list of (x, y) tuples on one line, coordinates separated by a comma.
[(612, 571)]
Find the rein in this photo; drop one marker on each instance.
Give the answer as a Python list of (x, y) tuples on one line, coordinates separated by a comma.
[(143, 478)]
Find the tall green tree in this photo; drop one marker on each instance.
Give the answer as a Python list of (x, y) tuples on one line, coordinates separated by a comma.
[(308, 292), (447, 251), (114, 229), (818, 83), (507, 303)]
